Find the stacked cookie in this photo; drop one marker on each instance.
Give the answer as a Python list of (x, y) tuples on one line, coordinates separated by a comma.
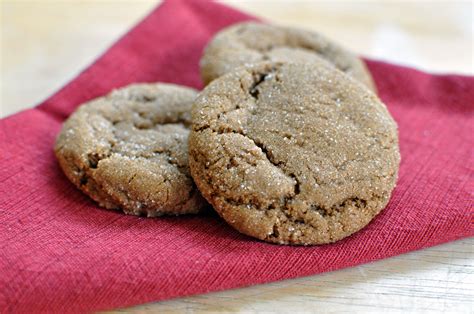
[(288, 142)]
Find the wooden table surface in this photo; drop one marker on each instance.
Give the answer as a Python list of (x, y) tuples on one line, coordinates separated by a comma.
[(46, 43)]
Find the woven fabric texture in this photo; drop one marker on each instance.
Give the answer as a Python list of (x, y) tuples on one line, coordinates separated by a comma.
[(59, 252)]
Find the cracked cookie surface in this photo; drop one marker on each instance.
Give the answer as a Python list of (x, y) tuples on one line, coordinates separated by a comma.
[(128, 150), (293, 153), (251, 42)]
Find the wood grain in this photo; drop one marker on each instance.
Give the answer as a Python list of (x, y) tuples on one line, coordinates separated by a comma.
[(44, 44), (435, 280)]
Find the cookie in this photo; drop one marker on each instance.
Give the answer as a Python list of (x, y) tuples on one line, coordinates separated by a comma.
[(128, 150), (290, 160), (251, 42)]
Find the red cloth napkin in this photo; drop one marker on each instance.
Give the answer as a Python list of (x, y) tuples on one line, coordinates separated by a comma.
[(60, 252)]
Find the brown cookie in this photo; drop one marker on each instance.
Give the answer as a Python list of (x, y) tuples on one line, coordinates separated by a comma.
[(251, 42), (128, 150), (291, 160)]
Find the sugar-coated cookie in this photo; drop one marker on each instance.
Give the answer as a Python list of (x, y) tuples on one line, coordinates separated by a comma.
[(293, 153), (251, 42), (128, 150)]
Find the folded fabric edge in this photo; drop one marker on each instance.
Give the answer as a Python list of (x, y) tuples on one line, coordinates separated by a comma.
[(44, 105), (262, 282)]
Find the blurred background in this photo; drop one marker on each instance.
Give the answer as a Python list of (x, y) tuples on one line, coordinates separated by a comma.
[(45, 43)]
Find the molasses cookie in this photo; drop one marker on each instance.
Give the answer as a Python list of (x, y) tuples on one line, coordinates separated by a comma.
[(128, 150), (293, 153), (251, 42)]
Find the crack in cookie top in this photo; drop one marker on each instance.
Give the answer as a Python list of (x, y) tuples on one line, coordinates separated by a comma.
[(293, 153), (128, 150), (250, 42)]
